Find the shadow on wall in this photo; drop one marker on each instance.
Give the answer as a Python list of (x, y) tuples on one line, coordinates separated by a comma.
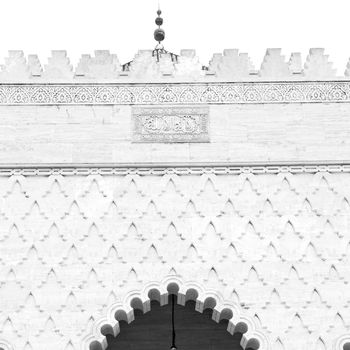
[(194, 331)]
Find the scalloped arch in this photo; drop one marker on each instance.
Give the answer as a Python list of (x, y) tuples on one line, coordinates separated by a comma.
[(341, 341), (5, 345), (204, 298)]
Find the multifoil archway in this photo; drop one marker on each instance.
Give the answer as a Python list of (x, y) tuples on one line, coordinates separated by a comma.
[(204, 298)]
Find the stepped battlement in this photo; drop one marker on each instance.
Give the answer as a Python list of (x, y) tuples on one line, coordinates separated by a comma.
[(150, 66)]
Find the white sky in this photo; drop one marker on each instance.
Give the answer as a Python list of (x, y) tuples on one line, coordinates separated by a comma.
[(125, 26)]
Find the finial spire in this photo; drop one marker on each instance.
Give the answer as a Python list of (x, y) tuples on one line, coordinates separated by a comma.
[(159, 36), (159, 33)]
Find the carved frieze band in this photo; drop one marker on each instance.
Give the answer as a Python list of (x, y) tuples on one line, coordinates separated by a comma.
[(182, 93), (178, 170), (170, 124)]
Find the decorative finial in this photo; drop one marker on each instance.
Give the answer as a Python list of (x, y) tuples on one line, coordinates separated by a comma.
[(159, 33), (159, 36), (159, 12)]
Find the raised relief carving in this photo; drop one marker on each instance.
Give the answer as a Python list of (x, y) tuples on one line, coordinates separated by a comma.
[(175, 94), (170, 124)]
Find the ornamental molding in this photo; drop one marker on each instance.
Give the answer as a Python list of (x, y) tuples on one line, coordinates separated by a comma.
[(175, 93), (144, 170)]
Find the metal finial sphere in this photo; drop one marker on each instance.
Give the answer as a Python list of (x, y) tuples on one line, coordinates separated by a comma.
[(159, 35), (159, 21), (159, 12)]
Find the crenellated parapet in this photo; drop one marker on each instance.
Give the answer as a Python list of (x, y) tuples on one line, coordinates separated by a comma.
[(161, 77), (104, 66), (230, 65), (147, 66)]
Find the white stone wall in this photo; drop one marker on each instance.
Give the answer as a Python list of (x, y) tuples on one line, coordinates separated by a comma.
[(273, 248), (248, 133), (254, 224)]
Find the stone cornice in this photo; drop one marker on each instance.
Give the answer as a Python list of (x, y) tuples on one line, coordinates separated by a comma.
[(175, 93), (171, 169)]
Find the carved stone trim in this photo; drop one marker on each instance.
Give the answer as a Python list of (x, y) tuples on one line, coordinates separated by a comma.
[(181, 93), (178, 170), (171, 124)]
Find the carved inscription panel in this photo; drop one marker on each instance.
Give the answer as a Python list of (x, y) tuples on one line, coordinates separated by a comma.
[(171, 124)]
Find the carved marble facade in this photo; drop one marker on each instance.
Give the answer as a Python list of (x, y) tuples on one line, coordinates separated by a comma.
[(235, 194)]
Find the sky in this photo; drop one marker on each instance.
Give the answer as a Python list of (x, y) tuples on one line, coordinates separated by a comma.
[(209, 26)]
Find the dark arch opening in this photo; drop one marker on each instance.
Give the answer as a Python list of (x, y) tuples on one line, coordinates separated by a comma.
[(346, 346), (194, 330)]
